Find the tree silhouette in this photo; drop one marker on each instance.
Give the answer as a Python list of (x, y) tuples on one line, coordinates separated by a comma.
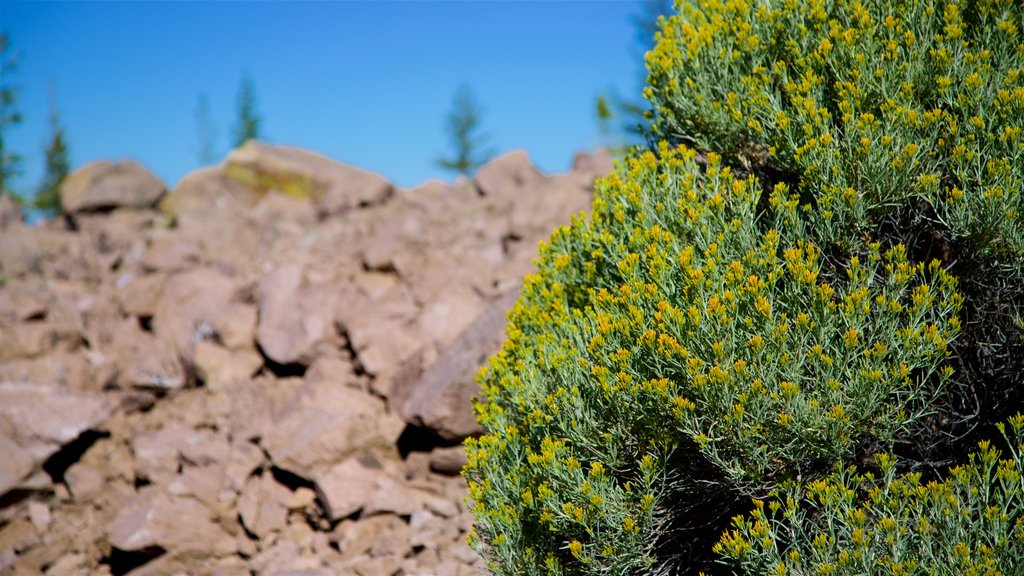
[(248, 122), (463, 126), (47, 197), (10, 163)]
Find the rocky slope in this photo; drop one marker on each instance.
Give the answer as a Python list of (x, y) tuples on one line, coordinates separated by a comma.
[(265, 370)]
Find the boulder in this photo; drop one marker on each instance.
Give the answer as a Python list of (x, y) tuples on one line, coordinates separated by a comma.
[(107, 185), (292, 317), (593, 165), (188, 305), (507, 174), (37, 420), (263, 505), (334, 188), (441, 399), (347, 487), (323, 424), (139, 294), (171, 253), (218, 367), (156, 520), (208, 190), (143, 361)]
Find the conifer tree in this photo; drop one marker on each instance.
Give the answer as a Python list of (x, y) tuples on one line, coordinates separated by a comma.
[(10, 163), (463, 125), (47, 197), (248, 123)]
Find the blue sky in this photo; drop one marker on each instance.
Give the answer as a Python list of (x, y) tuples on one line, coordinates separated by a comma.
[(365, 83)]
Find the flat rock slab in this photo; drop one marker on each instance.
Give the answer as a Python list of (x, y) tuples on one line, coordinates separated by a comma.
[(154, 519), (36, 421)]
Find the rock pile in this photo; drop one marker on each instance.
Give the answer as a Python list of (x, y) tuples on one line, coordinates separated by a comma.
[(265, 370)]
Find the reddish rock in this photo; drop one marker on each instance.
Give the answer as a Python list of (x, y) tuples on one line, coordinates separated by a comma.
[(324, 424), (441, 399), (292, 319), (36, 421), (334, 187), (139, 294), (218, 367), (507, 174), (106, 185), (155, 519), (188, 305)]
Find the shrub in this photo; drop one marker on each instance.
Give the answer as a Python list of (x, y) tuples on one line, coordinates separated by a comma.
[(677, 320), (895, 122), (823, 260), (972, 523)]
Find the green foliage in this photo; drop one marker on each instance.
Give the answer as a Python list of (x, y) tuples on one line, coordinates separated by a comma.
[(10, 163), (463, 125), (47, 199), (869, 105), (850, 524), (823, 260), (678, 320), (247, 126)]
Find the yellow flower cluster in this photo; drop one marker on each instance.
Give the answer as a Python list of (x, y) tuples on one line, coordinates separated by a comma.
[(871, 105), (851, 524), (678, 318)]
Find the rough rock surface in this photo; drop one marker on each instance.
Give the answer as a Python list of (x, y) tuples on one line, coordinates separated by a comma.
[(109, 185), (266, 374)]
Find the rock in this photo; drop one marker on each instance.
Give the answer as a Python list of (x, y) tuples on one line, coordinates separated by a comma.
[(218, 367), (449, 460), (33, 339), (356, 539), (441, 399), (84, 481), (208, 190), (22, 300), (347, 487), (333, 187), (138, 295), (36, 420), (593, 164), (171, 253), (323, 424), (263, 505), (106, 185), (384, 346), (291, 316), (507, 174), (445, 318), (142, 361), (153, 519), (40, 516), (236, 326), (10, 212), (188, 306), (158, 453), (17, 535)]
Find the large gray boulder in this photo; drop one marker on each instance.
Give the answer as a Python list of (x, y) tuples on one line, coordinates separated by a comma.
[(108, 185)]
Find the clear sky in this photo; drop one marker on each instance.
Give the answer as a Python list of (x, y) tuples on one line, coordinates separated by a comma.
[(365, 83)]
